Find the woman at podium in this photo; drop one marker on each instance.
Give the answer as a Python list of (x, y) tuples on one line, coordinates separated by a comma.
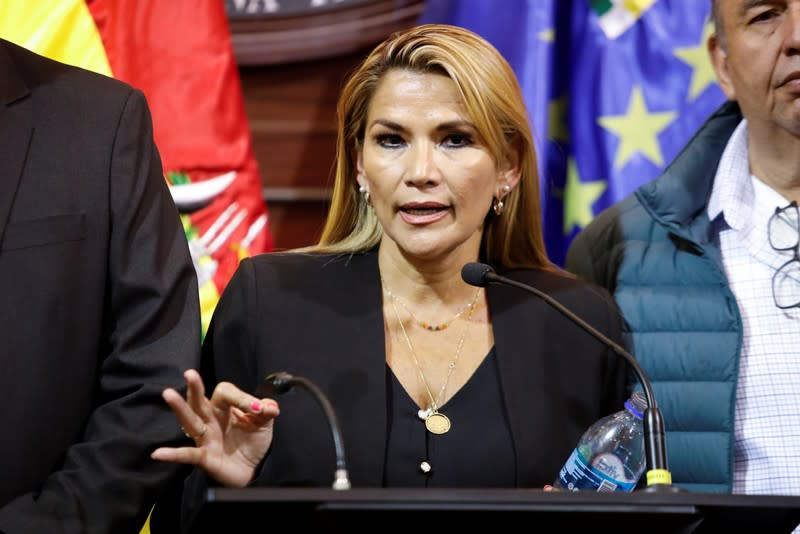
[(435, 382)]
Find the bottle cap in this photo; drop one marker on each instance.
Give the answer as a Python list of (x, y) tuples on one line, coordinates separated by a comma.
[(637, 404)]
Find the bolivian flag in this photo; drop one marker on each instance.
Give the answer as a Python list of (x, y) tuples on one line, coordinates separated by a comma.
[(179, 53)]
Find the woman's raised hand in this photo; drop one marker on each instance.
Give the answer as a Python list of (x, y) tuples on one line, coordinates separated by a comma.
[(232, 430)]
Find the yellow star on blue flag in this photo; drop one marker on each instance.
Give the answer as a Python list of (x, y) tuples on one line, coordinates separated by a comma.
[(638, 130), (579, 197)]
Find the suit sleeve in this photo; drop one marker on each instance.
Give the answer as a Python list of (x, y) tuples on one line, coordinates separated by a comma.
[(107, 482)]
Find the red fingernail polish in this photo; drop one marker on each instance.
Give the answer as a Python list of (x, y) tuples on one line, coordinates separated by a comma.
[(255, 406)]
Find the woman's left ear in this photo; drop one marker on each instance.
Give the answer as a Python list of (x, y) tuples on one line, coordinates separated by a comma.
[(360, 170), (508, 177)]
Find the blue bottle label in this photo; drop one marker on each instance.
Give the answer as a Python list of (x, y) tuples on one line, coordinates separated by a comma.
[(604, 473)]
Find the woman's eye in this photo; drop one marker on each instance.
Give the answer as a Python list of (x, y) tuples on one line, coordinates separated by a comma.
[(458, 140), (389, 140)]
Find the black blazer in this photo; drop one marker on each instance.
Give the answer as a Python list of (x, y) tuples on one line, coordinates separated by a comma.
[(321, 317), (99, 309)]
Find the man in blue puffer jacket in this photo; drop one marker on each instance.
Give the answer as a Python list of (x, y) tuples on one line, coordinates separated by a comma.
[(704, 264)]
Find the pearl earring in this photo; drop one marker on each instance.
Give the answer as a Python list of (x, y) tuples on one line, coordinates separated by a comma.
[(363, 190), (497, 205)]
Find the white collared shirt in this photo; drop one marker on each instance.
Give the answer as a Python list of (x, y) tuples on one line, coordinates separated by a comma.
[(767, 424)]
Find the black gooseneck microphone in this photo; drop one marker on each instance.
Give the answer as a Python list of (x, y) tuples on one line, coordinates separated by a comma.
[(658, 476), (281, 382)]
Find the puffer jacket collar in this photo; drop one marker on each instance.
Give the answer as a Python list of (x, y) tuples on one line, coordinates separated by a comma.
[(678, 198)]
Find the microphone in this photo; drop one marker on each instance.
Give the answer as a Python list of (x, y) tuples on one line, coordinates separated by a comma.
[(658, 476), (281, 382)]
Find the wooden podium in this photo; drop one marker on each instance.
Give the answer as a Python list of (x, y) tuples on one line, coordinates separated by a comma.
[(256, 510)]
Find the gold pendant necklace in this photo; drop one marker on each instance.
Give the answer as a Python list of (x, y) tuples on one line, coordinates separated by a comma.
[(435, 421)]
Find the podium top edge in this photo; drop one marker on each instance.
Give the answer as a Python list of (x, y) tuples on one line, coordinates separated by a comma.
[(429, 496)]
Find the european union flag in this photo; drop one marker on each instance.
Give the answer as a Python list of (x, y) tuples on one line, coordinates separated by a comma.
[(614, 89)]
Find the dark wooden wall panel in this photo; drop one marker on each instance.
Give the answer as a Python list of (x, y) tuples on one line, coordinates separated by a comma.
[(291, 109), (296, 224)]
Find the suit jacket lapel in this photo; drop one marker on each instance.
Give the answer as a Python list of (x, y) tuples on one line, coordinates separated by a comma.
[(16, 131)]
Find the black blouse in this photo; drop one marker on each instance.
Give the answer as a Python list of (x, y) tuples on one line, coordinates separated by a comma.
[(477, 451)]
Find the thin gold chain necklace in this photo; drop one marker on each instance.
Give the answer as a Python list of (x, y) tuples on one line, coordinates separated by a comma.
[(440, 326), (435, 421)]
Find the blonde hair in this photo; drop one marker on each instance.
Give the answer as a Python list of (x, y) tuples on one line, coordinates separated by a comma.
[(494, 101)]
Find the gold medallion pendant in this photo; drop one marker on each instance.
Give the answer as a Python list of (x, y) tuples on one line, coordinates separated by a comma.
[(437, 423)]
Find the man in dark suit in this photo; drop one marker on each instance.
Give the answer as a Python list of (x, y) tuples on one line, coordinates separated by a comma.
[(98, 301)]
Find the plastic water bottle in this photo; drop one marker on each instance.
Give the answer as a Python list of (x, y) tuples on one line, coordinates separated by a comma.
[(610, 454)]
